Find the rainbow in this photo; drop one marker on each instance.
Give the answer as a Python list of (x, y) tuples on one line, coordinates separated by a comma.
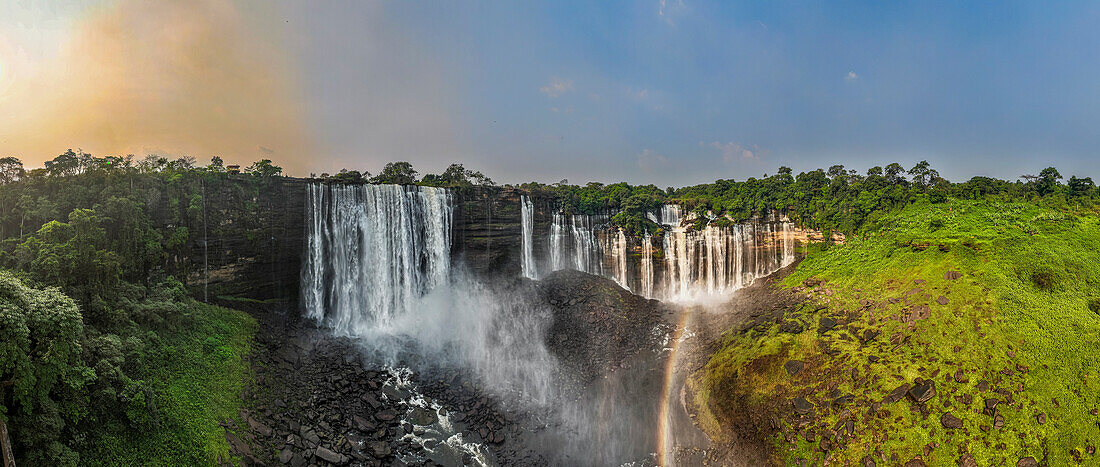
[(665, 455)]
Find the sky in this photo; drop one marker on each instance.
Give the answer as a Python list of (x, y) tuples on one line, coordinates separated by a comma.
[(667, 92)]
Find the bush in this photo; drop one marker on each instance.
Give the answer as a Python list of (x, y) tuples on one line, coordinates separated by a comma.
[(1045, 280)]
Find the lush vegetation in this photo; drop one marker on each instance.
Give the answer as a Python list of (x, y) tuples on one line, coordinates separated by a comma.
[(104, 356), (1022, 318), (836, 199)]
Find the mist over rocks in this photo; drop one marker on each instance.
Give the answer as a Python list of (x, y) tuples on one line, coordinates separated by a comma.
[(597, 326)]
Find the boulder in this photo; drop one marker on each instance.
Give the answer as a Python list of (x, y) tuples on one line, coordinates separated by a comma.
[(966, 460), (896, 394), (329, 456), (952, 275), (826, 324), (960, 376), (950, 421), (423, 417), (802, 406), (923, 392), (1027, 462), (793, 367)]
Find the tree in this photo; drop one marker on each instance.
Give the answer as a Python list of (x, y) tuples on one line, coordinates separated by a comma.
[(1081, 187), (65, 165), (397, 173), (893, 174), (40, 367), (923, 174), (264, 168), (216, 164), (11, 170), (1048, 181), (457, 175)]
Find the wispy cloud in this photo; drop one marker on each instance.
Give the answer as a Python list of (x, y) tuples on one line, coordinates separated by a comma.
[(557, 87), (733, 152), (638, 94), (670, 10), (852, 76), (650, 161)]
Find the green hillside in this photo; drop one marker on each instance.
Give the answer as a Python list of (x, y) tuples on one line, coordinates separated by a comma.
[(1018, 325)]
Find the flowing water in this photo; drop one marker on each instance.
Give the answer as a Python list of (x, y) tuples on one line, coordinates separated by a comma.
[(378, 269), (695, 265), (527, 223)]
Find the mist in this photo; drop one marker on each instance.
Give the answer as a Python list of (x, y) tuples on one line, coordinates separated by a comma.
[(177, 79)]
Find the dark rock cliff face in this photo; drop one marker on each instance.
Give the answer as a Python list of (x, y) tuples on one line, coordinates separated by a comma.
[(488, 234), (256, 241), (253, 242)]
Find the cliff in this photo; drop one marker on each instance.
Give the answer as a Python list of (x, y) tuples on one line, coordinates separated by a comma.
[(255, 239)]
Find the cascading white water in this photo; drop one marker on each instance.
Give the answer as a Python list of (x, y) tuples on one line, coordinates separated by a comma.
[(788, 243), (527, 221), (647, 266), (697, 264), (574, 244), (617, 251), (585, 247), (715, 260), (378, 268), (373, 250), (557, 242)]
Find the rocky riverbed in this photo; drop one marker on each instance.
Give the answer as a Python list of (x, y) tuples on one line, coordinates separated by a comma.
[(316, 399)]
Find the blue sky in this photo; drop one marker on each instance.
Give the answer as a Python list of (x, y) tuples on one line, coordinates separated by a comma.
[(682, 92)]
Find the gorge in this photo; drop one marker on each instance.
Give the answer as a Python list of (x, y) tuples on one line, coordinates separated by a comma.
[(393, 268), (242, 318)]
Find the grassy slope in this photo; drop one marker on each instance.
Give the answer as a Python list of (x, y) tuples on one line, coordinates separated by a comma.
[(198, 382), (1028, 276)]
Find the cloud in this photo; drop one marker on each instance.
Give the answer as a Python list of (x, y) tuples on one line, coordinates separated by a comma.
[(557, 87), (638, 94), (650, 161), (668, 11), (852, 76), (202, 78), (733, 153)]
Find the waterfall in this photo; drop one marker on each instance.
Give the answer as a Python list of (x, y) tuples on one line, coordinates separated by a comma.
[(373, 250), (617, 251), (557, 242), (586, 250), (788, 243), (714, 260), (527, 221), (647, 266), (378, 268), (574, 244), (697, 263)]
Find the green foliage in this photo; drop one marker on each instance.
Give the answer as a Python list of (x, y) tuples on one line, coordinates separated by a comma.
[(104, 357), (457, 176), (41, 370), (264, 168), (1026, 297), (398, 173)]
